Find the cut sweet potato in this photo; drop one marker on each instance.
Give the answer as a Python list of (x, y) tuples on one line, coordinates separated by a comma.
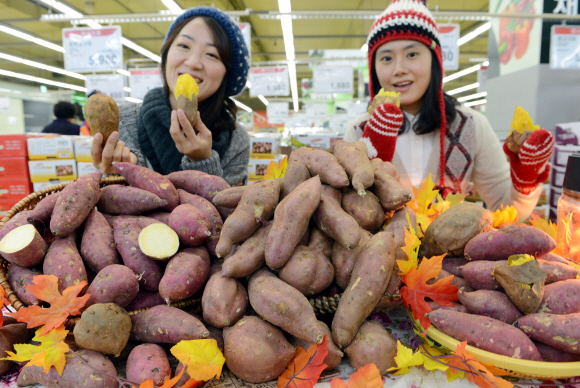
[(23, 246), (158, 241)]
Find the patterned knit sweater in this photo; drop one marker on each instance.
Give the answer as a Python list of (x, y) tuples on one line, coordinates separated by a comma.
[(233, 167), (473, 153)]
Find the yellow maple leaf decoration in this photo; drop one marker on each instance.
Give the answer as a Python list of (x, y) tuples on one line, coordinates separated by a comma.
[(276, 170), (522, 122), (442, 205), (552, 230), (405, 358), (411, 249), (429, 363), (505, 216), (50, 352), (422, 204), (203, 358)]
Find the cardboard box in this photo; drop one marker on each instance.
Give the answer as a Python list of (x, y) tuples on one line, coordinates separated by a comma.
[(264, 146), (561, 154), (568, 133), (321, 141), (85, 168), (46, 170), (14, 189), (557, 176), (257, 168), (14, 168), (36, 186), (13, 146), (50, 147), (82, 148)]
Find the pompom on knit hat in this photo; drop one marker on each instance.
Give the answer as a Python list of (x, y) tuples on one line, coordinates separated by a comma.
[(410, 20), (238, 74)]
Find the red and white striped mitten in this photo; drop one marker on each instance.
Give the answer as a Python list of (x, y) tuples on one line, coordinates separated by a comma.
[(530, 168), (381, 131)]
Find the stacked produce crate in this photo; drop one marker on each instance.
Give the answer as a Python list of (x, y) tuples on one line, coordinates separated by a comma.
[(51, 160), (264, 148), (567, 143), (14, 177)]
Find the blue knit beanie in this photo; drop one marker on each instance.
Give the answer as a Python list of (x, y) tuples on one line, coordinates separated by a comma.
[(238, 74)]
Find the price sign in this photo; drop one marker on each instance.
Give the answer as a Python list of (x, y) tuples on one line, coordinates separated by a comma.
[(277, 112), (92, 49), (565, 47), (316, 110), (269, 81), (333, 79), (448, 36), (354, 110), (143, 80), (112, 85)]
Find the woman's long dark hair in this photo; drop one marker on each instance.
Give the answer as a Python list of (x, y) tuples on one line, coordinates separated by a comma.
[(429, 116), (217, 112)]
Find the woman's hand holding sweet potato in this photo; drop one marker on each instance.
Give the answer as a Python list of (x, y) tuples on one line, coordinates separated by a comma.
[(112, 151), (196, 145)]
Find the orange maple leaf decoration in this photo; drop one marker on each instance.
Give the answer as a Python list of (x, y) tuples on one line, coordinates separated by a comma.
[(170, 383), (305, 368), (3, 302), (366, 377), (416, 289), (468, 362), (45, 288)]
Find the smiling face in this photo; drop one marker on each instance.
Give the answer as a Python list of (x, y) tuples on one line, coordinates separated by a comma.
[(404, 66), (194, 52)]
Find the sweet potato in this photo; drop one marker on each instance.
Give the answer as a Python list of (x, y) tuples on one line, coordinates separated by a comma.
[(320, 241), (550, 354), (368, 283), (334, 356), (121, 199), (321, 163), (148, 361), (494, 304), (291, 221), (552, 257), (102, 114), (224, 301), (185, 274), (456, 281), (479, 274), (185, 93), (283, 306), (295, 174), (392, 194), (159, 241), (98, 248), (103, 327), (355, 160), (372, 344), (74, 204), (126, 234), (210, 212), (334, 221), (198, 183), (397, 225), (76, 372), (255, 208), (23, 246), (343, 259), (113, 284), (557, 272), (190, 224), (249, 257), (17, 220), (160, 216), (367, 211), (20, 277), (451, 231), (168, 325), (145, 299), (10, 335), (384, 167), (43, 209), (308, 270), (561, 298), (149, 180), (485, 333), (558, 331), (523, 283), (256, 351), (64, 261), (452, 265), (230, 197), (458, 307), (511, 240)]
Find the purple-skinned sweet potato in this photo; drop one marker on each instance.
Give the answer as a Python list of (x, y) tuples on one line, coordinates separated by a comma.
[(113, 284), (230, 197), (552, 257), (355, 160), (23, 246), (372, 345), (397, 225), (166, 324), (121, 199), (98, 248), (334, 356), (224, 301), (452, 264), (479, 274), (485, 333), (159, 216), (458, 307), (366, 210), (558, 331), (43, 209), (190, 224), (210, 212), (198, 183), (148, 361), (17, 220), (64, 261), (308, 270), (321, 163), (494, 304), (9, 336), (185, 274), (386, 167), (392, 194), (295, 174), (320, 241), (343, 259), (561, 298), (152, 181), (456, 281), (551, 354), (20, 277), (249, 257), (145, 299), (557, 272)]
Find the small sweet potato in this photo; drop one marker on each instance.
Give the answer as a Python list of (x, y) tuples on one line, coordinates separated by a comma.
[(145, 299), (185, 274), (9, 335), (558, 331), (557, 272), (334, 356), (550, 354), (479, 274), (165, 324), (149, 180), (249, 257), (43, 209), (224, 301), (74, 204), (320, 241), (23, 246), (511, 240), (552, 257), (367, 211), (64, 261), (198, 183), (523, 283), (113, 284), (456, 281), (452, 265), (19, 219), (485, 333), (121, 199), (98, 248), (372, 344), (308, 270), (20, 277), (160, 216), (334, 221), (296, 173), (354, 158), (190, 224), (230, 197), (343, 259), (148, 361), (321, 163), (256, 351), (458, 307), (102, 114), (561, 298), (384, 167), (392, 194), (494, 304), (210, 212)]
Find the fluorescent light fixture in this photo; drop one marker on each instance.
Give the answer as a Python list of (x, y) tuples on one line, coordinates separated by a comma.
[(243, 106), (463, 89), (30, 38), (284, 6), (140, 50), (473, 103), (263, 99), (288, 37), (172, 6), (42, 80), (131, 99), (478, 31), (472, 96), (124, 72), (461, 73), (485, 64), (41, 66), (364, 48), (293, 84), (62, 8), (248, 84), (127, 89)]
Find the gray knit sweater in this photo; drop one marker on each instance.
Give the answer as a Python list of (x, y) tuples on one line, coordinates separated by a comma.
[(233, 167)]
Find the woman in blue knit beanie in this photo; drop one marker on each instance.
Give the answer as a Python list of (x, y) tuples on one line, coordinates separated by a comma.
[(207, 44)]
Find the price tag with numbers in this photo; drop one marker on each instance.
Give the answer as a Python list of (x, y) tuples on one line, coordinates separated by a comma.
[(565, 47), (448, 36), (143, 80), (269, 81), (333, 79), (277, 112), (316, 110), (110, 84), (92, 49)]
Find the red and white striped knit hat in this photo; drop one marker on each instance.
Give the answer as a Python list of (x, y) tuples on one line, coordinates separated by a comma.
[(409, 19)]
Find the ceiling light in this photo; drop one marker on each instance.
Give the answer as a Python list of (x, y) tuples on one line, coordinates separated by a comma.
[(284, 6), (463, 89), (293, 84), (132, 99), (41, 66), (263, 99), (62, 8), (286, 20), (172, 6), (127, 89), (248, 84), (473, 103), (461, 73), (288, 37), (472, 96), (364, 48), (485, 64), (478, 31), (42, 80), (243, 106), (139, 49), (30, 38), (124, 72)]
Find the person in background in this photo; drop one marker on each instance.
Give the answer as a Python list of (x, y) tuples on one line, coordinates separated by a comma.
[(205, 43), (404, 55), (84, 129), (64, 124)]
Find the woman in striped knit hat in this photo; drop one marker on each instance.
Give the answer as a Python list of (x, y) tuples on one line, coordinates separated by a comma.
[(404, 55)]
